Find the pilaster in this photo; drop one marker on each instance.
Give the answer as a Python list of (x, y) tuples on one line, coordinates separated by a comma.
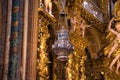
[(43, 56), (32, 40)]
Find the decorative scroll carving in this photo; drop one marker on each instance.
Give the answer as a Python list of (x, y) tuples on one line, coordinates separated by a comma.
[(75, 66), (75, 69), (43, 60), (70, 73), (90, 17), (43, 56)]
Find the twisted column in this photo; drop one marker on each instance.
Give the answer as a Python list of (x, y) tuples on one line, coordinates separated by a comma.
[(43, 56)]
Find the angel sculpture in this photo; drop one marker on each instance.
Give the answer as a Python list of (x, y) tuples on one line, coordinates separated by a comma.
[(74, 22), (83, 27), (114, 46)]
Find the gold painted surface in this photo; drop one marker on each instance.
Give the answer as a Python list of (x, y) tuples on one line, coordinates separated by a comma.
[(108, 74), (43, 56), (88, 16), (116, 11), (75, 68), (70, 73), (105, 5)]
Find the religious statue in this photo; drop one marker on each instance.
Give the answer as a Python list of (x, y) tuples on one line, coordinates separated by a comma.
[(83, 27), (48, 6), (115, 43), (74, 22), (116, 12), (114, 46)]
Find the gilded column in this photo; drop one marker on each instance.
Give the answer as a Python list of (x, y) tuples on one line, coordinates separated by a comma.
[(70, 72), (43, 56), (32, 40), (76, 67)]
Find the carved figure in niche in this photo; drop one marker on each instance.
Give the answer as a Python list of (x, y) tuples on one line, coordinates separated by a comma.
[(83, 27), (116, 12), (79, 25), (48, 6), (74, 22)]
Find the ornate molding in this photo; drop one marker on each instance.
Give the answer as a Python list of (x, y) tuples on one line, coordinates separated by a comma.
[(90, 18), (43, 56), (45, 16), (43, 61), (76, 66)]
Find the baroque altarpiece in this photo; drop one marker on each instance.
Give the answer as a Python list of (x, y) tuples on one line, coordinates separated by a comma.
[(28, 31)]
